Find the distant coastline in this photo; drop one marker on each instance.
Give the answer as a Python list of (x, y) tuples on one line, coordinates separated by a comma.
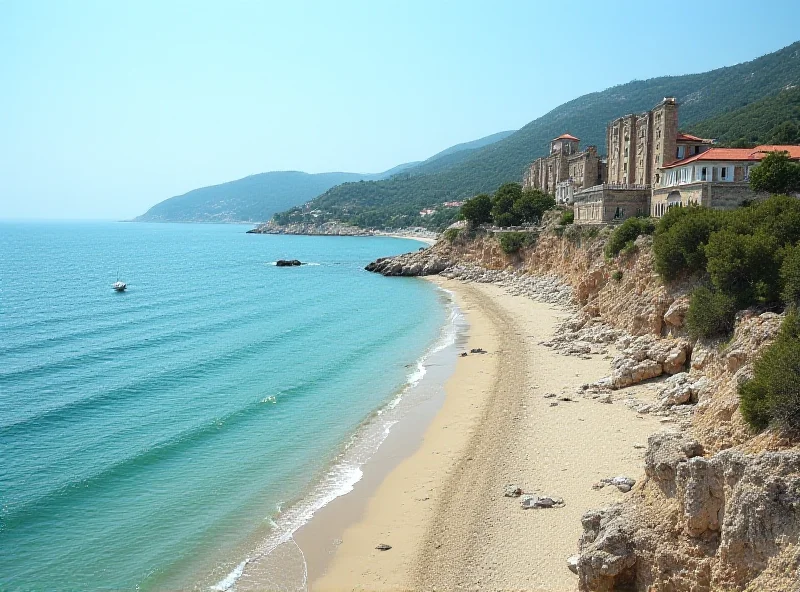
[(338, 229)]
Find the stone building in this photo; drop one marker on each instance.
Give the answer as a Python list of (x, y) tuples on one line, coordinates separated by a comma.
[(717, 178), (638, 147), (650, 167), (565, 170)]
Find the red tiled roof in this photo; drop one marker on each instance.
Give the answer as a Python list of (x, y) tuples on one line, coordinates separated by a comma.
[(566, 137), (794, 151), (742, 154), (689, 138)]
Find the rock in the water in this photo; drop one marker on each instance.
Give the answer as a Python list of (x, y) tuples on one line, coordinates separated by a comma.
[(287, 263), (383, 547)]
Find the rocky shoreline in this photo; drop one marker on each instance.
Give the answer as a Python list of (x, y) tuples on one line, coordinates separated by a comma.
[(326, 229), (338, 229)]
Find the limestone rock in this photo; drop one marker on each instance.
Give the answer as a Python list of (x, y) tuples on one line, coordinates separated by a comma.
[(676, 313), (665, 451), (572, 563), (647, 357), (606, 559), (536, 502)]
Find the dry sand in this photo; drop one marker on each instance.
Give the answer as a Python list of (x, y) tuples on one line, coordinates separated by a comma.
[(442, 509)]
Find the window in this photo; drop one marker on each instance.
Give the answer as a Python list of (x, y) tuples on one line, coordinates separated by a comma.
[(723, 173), (658, 178), (704, 174), (626, 153), (681, 151)]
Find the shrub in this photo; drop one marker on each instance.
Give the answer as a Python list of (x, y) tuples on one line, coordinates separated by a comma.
[(744, 266), (710, 313), (773, 395), (511, 242), (451, 234), (776, 173), (503, 205), (567, 217), (680, 238), (626, 233), (790, 276), (617, 276), (532, 204), (477, 210)]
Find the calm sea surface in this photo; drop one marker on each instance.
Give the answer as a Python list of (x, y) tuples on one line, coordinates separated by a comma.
[(152, 439)]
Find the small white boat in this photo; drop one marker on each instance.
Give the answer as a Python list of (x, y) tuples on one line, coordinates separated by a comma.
[(119, 286)]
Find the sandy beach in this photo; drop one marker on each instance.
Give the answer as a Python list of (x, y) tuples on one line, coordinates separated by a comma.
[(443, 510)]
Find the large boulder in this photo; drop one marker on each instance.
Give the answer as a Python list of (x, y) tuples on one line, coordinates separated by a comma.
[(606, 560), (646, 357)]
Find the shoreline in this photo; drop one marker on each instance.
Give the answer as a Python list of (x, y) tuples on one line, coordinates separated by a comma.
[(278, 562), (442, 507)]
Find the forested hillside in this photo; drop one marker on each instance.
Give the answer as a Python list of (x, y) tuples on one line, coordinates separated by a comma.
[(772, 120), (251, 199), (398, 200), (257, 197)]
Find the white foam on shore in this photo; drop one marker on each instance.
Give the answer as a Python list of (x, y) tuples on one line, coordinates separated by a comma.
[(342, 477)]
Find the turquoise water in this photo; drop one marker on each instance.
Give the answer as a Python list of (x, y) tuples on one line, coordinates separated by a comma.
[(149, 439)]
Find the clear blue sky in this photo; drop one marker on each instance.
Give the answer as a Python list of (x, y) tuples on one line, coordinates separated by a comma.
[(109, 107)]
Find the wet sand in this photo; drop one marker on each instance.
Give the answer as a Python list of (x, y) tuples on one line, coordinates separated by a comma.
[(440, 503)]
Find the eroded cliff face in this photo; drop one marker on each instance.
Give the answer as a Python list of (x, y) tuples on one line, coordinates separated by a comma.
[(719, 508)]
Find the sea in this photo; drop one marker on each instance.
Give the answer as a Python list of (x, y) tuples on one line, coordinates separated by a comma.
[(163, 437)]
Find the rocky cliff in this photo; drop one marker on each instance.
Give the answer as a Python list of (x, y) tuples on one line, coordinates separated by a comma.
[(719, 508)]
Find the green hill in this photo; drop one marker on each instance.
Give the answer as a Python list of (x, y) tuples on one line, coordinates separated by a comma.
[(397, 201), (258, 197), (772, 120)]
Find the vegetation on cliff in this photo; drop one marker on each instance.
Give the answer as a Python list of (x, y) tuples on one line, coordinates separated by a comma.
[(746, 256), (397, 201), (772, 397), (509, 206), (626, 233)]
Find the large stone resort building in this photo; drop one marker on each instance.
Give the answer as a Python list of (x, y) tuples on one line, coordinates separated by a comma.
[(650, 167)]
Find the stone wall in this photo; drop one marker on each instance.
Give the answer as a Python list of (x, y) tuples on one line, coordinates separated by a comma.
[(603, 204)]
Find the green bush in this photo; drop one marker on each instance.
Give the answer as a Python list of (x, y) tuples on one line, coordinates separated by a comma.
[(776, 173), (477, 210), (680, 238), (511, 242), (744, 266), (503, 213), (532, 204), (710, 313), (451, 234), (626, 233), (773, 395), (790, 276), (617, 276), (567, 217), (747, 253)]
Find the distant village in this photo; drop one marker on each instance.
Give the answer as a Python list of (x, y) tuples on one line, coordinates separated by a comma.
[(650, 167)]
